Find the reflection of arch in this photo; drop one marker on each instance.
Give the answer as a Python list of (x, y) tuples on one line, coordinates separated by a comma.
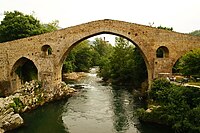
[(162, 52), (23, 70), (47, 50)]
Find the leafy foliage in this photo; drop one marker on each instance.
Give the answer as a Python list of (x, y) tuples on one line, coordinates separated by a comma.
[(16, 25), (165, 28), (120, 64), (195, 33), (27, 72), (179, 107), (104, 50), (81, 58), (17, 105), (189, 64), (125, 64)]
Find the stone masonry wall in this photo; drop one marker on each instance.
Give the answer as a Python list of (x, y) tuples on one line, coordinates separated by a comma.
[(148, 39)]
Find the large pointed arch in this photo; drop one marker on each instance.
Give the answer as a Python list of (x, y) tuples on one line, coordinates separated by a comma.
[(67, 51)]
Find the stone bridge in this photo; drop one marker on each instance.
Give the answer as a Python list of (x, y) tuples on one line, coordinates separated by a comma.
[(48, 64)]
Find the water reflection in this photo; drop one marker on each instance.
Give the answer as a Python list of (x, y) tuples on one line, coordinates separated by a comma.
[(123, 119), (94, 109), (45, 119), (99, 109), (90, 110), (120, 117)]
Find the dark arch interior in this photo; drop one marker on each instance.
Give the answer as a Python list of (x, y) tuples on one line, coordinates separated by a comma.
[(162, 52), (47, 50), (24, 70)]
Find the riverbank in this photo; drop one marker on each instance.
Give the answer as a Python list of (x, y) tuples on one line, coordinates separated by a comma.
[(73, 76), (29, 97), (173, 105)]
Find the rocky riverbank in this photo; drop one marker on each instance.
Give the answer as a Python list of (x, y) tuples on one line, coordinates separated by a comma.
[(30, 96), (73, 76)]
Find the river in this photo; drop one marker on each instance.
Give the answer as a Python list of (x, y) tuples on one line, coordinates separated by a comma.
[(95, 108)]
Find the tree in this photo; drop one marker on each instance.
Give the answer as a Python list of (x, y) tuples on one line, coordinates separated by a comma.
[(16, 25), (125, 65), (195, 33), (81, 58), (176, 106), (190, 63), (103, 49), (102, 46)]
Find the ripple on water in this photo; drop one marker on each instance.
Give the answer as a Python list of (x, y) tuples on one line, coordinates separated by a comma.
[(93, 109)]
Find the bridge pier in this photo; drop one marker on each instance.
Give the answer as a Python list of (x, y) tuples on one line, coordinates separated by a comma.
[(162, 68), (48, 51)]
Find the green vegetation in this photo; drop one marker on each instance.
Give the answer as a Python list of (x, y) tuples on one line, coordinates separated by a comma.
[(16, 25), (195, 33), (125, 64), (175, 106), (165, 28), (189, 64), (119, 64), (17, 105), (86, 55), (81, 58), (27, 72)]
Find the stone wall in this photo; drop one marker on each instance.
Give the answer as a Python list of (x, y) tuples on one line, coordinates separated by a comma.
[(148, 39)]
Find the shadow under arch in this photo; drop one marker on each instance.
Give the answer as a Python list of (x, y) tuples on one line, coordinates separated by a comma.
[(190, 56), (64, 56), (162, 52), (178, 57), (23, 70)]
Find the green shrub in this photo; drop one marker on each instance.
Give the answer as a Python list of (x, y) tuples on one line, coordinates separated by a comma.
[(17, 105), (158, 87), (179, 106)]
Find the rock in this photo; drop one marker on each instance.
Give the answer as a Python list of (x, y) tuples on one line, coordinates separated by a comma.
[(151, 107), (148, 110), (30, 100), (11, 122), (1, 130), (9, 111)]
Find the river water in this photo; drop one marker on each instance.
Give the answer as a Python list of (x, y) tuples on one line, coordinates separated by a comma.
[(95, 108)]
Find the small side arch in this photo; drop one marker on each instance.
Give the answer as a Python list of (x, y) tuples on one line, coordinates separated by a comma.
[(23, 70), (162, 52), (46, 50)]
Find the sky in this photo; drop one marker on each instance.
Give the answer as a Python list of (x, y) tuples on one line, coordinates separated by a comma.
[(182, 15)]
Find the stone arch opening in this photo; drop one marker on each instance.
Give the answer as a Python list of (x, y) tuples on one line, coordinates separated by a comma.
[(46, 50), (99, 33), (162, 52), (187, 65), (23, 70), (110, 33)]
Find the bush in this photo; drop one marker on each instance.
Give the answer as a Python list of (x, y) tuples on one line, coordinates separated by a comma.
[(17, 105), (158, 88), (179, 106)]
